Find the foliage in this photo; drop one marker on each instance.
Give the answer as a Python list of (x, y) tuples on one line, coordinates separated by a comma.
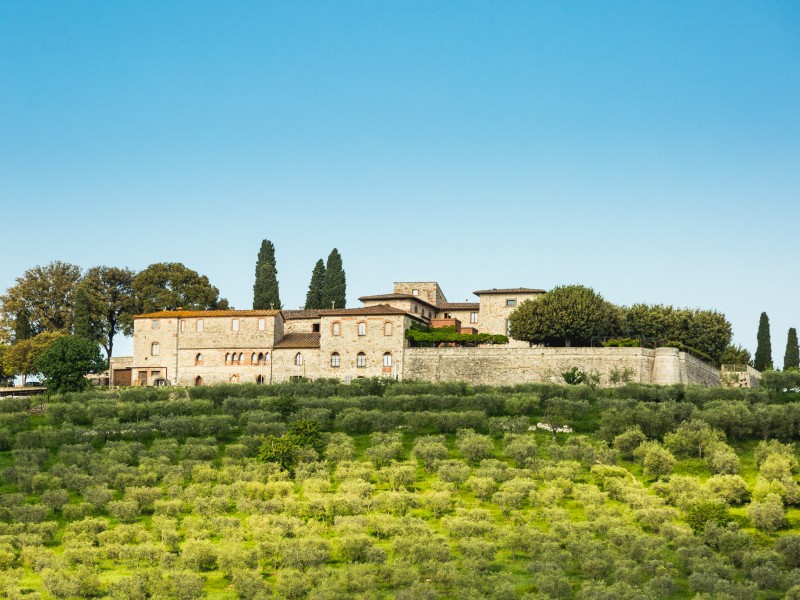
[(566, 314), (315, 287), (334, 289), (791, 358), (265, 289), (706, 331), (736, 355), (81, 322), (6, 374), (763, 358), (287, 449), (781, 381), (66, 362), (622, 343), (169, 286), (434, 337), (43, 297), (111, 303), (20, 358)]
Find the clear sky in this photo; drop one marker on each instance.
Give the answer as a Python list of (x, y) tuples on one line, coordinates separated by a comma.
[(649, 150)]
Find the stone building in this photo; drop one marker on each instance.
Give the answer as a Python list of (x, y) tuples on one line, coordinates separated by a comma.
[(187, 347)]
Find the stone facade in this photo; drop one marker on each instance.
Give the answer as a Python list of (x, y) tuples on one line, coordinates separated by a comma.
[(206, 347)]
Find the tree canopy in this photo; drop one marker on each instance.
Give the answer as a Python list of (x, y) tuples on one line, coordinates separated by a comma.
[(763, 358), (334, 290), (736, 355), (66, 362), (173, 285), (44, 295), (566, 314), (111, 303), (265, 289), (315, 287), (20, 358)]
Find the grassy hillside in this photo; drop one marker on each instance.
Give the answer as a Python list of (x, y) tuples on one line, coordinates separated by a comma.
[(410, 490)]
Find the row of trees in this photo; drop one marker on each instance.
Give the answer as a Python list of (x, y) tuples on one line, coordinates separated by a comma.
[(574, 314), (763, 357), (327, 289)]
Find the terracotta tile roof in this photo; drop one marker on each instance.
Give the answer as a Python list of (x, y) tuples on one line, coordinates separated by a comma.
[(509, 291), (396, 297), (460, 306), (304, 313), (298, 340), (166, 314), (378, 309)]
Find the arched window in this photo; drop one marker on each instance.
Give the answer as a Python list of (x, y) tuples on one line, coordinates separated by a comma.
[(362, 328), (387, 359), (387, 328), (260, 358), (298, 359), (336, 328), (198, 360), (154, 348), (266, 357), (259, 379), (361, 360), (241, 357), (335, 359), (227, 357), (234, 378), (198, 380), (254, 359), (235, 358)]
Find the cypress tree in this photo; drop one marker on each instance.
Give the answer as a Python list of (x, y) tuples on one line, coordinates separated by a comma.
[(81, 319), (265, 289), (334, 290), (314, 296), (763, 357), (791, 358), (22, 326)]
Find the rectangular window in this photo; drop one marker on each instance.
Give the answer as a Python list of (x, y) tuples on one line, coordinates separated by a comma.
[(336, 328), (387, 329), (508, 327), (235, 324), (262, 324), (473, 317), (362, 329), (511, 302), (199, 324), (183, 326), (315, 328), (415, 292), (361, 360), (155, 323)]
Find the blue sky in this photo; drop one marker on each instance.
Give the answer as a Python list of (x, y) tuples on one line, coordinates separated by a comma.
[(649, 150)]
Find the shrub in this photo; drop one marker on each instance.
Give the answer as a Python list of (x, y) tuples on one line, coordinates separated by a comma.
[(767, 515)]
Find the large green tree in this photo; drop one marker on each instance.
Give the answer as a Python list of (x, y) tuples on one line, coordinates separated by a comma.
[(22, 326), (736, 355), (705, 330), (334, 291), (168, 286), (315, 287), (791, 358), (565, 315), (763, 357), (81, 321), (6, 378), (111, 303), (265, 289), (20, 358), (44, 295), (66, 362)]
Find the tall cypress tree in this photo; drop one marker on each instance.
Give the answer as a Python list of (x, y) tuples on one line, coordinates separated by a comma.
[(791, 358), (334, 291), (265, 289), (314, 295), (81, 318), (763, 357)]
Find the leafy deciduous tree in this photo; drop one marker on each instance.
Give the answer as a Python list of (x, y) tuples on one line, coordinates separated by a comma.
[(736, 355), (109, 292), (172, 285), (565, 314), (66, 362), (44, 295), (265, 289), (20, 358)]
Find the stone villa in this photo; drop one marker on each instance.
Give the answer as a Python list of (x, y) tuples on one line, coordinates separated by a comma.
[(189, 347)]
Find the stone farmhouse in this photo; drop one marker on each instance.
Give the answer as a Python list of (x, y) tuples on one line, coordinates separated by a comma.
[(190, 347)]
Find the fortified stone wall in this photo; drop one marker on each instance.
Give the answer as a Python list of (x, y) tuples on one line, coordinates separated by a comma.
[(509, 366)]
